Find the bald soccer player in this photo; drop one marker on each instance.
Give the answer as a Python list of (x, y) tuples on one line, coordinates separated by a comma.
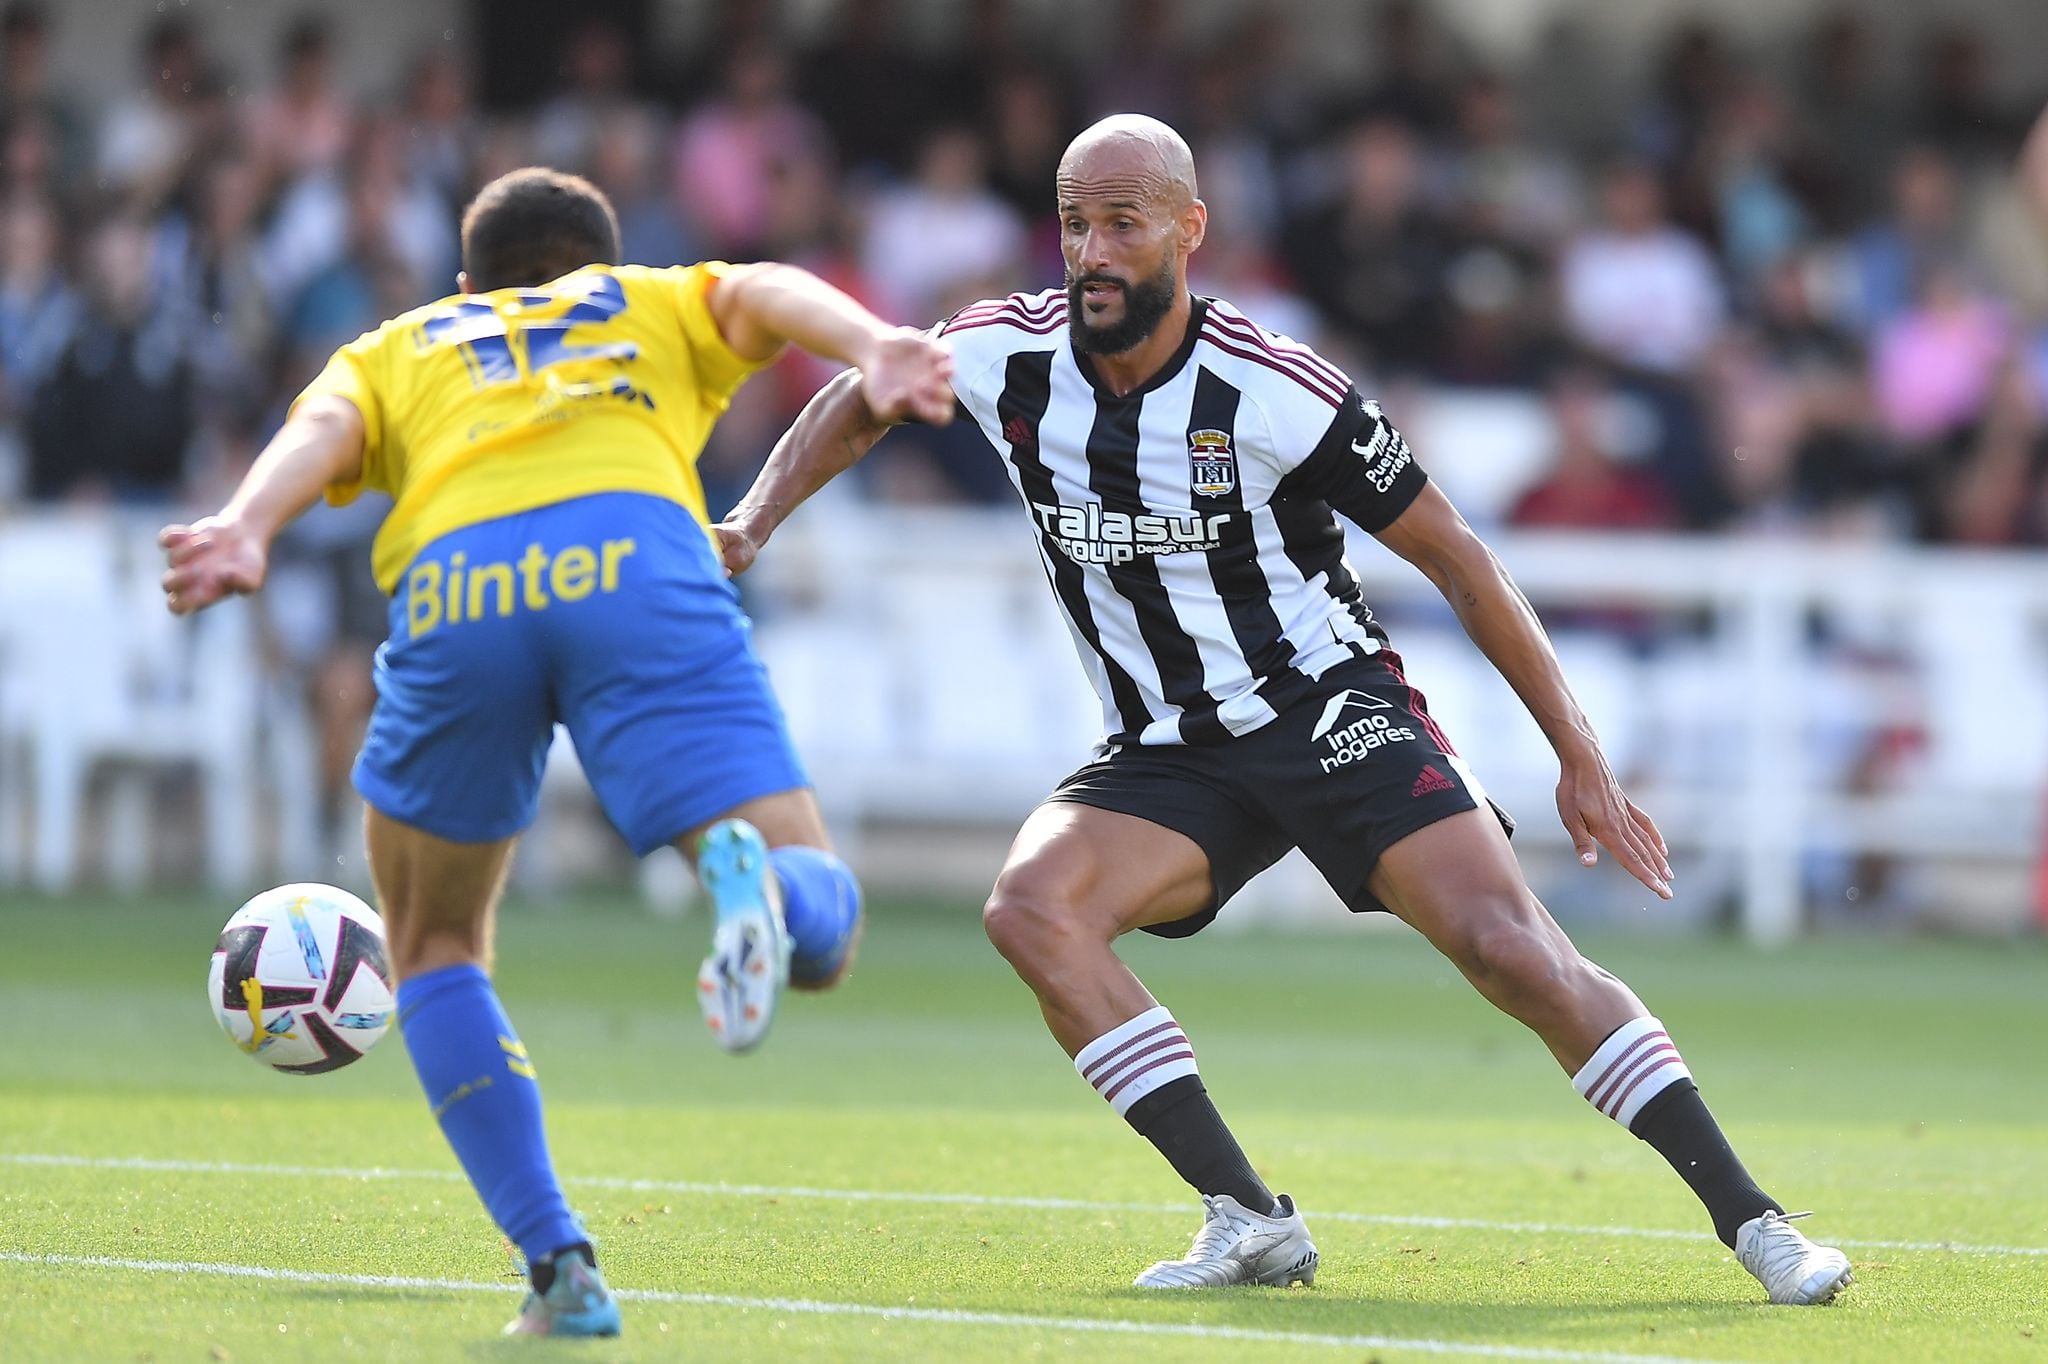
[(1182, 469)]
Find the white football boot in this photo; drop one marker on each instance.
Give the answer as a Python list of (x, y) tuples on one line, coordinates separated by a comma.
[(741, 980), (1792, 1269), (1238, 1246)]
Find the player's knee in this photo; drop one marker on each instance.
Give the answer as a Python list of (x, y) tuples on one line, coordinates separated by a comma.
[(1511, 955), (1025, 921)]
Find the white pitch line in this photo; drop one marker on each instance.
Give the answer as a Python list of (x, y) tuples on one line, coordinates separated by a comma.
[(970, 1200), (815, 1307)]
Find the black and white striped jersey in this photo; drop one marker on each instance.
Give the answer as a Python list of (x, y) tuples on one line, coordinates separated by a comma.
[(1187, 527)]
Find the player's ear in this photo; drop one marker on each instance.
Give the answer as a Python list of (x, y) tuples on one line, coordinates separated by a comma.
[(1194, 224), (462, 282)]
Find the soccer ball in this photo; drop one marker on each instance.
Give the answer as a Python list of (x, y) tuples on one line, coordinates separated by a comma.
[(300, 980)]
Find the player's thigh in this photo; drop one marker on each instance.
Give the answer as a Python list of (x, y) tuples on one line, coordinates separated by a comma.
[(438, 897), (1457, 882), (656, 677), (1100, 871), (1141, 839)]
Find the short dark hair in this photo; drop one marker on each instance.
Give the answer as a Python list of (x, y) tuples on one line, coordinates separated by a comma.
[(532, 225)]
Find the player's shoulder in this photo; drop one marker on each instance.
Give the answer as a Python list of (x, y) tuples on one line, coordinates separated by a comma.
[(1272, 368), (1013, 322)]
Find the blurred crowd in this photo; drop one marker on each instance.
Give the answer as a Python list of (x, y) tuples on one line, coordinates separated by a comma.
[(1798, 292), (1751, 292)]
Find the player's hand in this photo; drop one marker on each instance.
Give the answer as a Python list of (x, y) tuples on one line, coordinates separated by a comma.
[(736, 548), (210, 559), (909, 377), (1597, 814)]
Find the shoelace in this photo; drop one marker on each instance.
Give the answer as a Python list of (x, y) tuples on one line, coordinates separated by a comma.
[(1218, 1231), (1780, 1246)]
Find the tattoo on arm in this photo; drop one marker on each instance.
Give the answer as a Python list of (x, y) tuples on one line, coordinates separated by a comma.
[(1471, 598)]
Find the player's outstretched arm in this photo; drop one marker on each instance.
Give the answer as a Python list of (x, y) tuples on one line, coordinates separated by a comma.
[(226, 554), (904, 373), (829, 436), (1431, 535)]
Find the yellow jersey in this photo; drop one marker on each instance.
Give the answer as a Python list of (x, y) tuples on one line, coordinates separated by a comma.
[(482, 405)]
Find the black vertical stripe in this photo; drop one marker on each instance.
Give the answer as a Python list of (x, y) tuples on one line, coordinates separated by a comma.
[(1315, 542), (1020, 408), (1113, 476), (1234, 563)]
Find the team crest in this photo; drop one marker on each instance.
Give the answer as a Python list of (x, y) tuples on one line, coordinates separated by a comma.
[(1212, 464)]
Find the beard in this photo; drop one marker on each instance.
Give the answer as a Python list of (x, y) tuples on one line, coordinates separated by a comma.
[(1146, 304)]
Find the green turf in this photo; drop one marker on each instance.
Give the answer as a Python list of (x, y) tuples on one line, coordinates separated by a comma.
[(1899, 1088)]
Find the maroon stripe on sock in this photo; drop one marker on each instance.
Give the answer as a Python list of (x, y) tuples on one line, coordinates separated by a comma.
[(1615, 1066), (1622, 1101), (1650, 1059), (1179, 1039), (1184, 1054), (1122, 1047)]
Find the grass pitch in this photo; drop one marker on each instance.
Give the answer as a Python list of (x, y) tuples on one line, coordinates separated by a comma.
[(911, 1170)]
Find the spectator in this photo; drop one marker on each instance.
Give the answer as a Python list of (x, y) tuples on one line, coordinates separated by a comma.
[(1585, 487), (38, 308), (1888, 259), (147, 138), (312, 228), (1493, 181), (441, 130), (945, 226), (729, 154), (1374, 259), (209, 262), (27, 98), (625, 163), (871, 90), (114, 415), (303, 126), (599, 67), (1636, 289), (1933, 367)]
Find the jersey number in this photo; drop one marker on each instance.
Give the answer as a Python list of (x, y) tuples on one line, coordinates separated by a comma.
[(493, 346)]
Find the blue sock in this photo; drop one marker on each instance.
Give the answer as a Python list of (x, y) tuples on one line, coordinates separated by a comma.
[(820, 905), (483, 1092)]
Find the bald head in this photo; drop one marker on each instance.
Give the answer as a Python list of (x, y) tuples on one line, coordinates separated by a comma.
[(1129, 156)]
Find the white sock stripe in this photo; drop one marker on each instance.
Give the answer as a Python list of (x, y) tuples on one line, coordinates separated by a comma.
[(1642, 1061), (1120, 1035), (1634, 1065), (1646, 1087), (1149, 1076), (1119, 1068), (1136, 1057), (1623, 1040)]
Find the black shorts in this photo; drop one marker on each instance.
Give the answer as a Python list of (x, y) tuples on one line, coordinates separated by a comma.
[(1343, 774)]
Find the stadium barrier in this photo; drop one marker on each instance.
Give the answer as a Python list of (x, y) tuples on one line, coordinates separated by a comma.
[(1780, 707)]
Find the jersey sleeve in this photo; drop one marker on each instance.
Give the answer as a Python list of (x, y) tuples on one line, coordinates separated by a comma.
[(976, 353), (353, 372), (720, 369), (1360, 466)]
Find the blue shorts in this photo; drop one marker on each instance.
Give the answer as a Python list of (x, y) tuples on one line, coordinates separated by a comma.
[(608, 614)]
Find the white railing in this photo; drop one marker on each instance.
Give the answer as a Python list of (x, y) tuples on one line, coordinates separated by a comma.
[(928, 677)]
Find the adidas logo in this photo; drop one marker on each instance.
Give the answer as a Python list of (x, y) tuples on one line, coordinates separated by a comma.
[(1430, 781)]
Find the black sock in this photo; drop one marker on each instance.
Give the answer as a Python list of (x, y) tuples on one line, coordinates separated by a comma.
[(542, 1272), (1179, 1119), (1678, 1124)]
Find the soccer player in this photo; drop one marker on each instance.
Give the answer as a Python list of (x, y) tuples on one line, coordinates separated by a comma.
[(548, 560), (1181, 467)]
